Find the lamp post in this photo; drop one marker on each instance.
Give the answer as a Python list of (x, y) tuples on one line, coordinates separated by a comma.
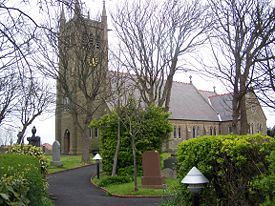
[(97, 157), (195, 180)]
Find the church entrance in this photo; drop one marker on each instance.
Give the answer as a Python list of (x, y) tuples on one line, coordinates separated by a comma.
[(66, 141)]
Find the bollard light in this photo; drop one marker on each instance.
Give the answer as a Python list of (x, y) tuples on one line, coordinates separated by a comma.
[(195, 181), (97, 157)]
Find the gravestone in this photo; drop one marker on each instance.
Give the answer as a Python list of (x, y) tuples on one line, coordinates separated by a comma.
[(170, 163), (169, 173), (56, 154), (152, 177), (34, 140)]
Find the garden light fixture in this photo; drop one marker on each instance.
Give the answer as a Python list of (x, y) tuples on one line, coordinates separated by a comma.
[(97, 157), (195, 180)]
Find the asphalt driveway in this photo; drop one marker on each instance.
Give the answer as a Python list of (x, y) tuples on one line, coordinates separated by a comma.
[(73, 188)]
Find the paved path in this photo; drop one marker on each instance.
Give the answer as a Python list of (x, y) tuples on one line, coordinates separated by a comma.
[(73, 188)]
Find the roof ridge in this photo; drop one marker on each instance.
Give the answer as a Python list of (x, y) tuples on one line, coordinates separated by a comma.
[(220, 94), (181, 82), (201, 90)]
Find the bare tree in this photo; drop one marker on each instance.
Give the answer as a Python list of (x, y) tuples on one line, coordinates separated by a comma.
[(154, 36), (264, 84), (8, 93), (17, 31), (35, 98), (6, 136), (121, 89), (133, 117), (242, 31)]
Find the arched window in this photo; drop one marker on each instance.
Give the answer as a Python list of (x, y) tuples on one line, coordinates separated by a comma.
[(179, 131), (175, 131), (229, 129), (194, 132), (96, 132), (204, 131), (260, 127), (215, 131), (211, 131)]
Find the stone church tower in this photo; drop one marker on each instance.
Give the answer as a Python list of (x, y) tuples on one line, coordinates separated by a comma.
[(83, 57)]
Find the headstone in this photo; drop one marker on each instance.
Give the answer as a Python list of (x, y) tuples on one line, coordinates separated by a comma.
[(34, 140), (169, 173), (170, 163), (56, 154), (152, 177)]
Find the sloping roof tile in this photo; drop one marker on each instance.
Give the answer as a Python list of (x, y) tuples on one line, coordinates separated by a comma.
[(187, 103), (222, 105)]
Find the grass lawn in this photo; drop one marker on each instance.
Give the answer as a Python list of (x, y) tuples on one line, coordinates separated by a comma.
[(128, 188), (69, 162)]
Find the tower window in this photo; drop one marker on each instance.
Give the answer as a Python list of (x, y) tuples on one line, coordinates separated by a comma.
[(97, 43), (91, 40)]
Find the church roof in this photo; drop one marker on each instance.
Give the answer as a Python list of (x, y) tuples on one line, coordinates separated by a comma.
[(223, 105), (189, 104)]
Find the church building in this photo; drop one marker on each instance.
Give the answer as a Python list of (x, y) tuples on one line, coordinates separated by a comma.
[(193, 112)]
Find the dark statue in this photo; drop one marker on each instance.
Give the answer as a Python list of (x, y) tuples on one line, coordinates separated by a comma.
[(34, 140)]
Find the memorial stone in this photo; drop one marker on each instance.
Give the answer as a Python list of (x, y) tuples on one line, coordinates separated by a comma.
[(56, 154), (152, 177), (170, 163)]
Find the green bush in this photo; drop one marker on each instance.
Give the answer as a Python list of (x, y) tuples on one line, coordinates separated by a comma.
[(21, 180), (151, 131), (13, 190), (114, 180), (264, 184), (229, 162), (33, 151)]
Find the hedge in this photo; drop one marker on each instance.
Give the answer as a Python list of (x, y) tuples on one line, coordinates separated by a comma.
[(33, 151), (230, 163), (22, 182)]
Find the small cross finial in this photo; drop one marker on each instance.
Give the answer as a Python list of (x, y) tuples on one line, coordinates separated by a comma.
[(190, 77), (214, 89)]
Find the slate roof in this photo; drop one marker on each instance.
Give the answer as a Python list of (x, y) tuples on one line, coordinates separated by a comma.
[(223, 105), (207, 94), (187, 103)]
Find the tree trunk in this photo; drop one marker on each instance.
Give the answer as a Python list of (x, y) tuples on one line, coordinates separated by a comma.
[(20, 136), (235, 114), (243, 117), (135, 161), (117, 148), (85, 146)]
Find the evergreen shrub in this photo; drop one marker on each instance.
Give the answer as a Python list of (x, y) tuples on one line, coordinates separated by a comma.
[(152, 130), (114, 180), (230, 163), (33, 151), (264, 185), (22, 182)]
